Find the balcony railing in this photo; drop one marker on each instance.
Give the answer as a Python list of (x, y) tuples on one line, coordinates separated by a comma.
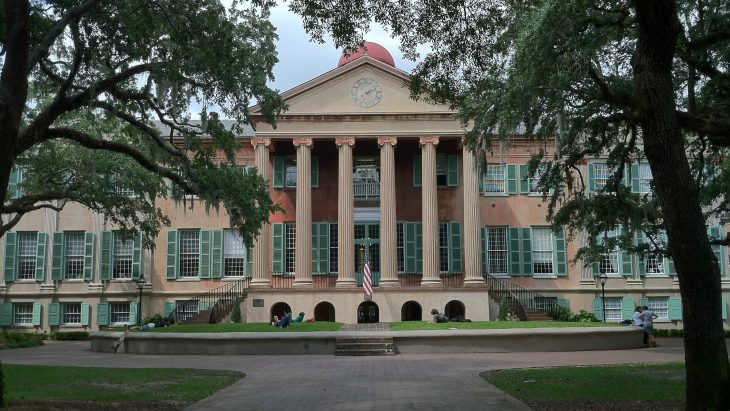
[(366, 190)]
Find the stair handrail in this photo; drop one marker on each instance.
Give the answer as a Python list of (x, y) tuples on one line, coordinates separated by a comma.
[(522, 297), (219, 300)]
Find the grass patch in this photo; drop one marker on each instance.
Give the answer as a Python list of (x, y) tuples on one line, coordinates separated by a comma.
[(247, 327), (490, 325), (31, 382), (640, 382)]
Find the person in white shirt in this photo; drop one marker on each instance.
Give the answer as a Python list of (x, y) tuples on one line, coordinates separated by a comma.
[(637, 317)]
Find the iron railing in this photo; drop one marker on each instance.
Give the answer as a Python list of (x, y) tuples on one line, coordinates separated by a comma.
[(519, 298), (366, 190), (216, 303)]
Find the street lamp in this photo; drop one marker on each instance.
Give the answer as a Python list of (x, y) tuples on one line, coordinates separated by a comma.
[(140, 285), (603, 277)]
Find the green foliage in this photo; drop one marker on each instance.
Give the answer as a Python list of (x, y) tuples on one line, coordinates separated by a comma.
[(70, 336), (503, 311), (21, 340), (559, 313), (584, 317), (2, 386), (157, 318), (236, 314)]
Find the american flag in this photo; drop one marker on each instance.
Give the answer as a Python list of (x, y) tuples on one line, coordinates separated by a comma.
[(367, 280)]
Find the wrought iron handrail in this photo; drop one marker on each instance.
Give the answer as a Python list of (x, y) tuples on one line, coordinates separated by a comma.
[(520, 298), (219, 301)]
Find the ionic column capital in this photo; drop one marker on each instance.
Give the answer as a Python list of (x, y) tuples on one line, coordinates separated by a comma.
[(428, 140), (307, 141), (350, 141), (387, 140), (259, 140)]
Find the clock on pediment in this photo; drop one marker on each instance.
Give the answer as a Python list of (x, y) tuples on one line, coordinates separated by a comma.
[(366, 92)]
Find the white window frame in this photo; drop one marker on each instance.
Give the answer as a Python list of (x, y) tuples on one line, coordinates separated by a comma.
[(534, 179), (656, 262), (442, 170), (366, 178), (613, 309), (494, 179), (290, 172), (23, 314), (27, 255), (186, 309), (443, 228), (290, 243), (74, 255), (645, 178), (69, 311), (601, 174), (122, 256), (191, 256), (547, 250), (497, 251), (660, 306), (118, 310), (234, 254), (610, 258)]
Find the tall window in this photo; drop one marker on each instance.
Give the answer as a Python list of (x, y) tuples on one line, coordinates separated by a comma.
[(493, 179), (601, 173), (119, 312), (442, 170), (534, 179), (644, 178), (609, 259), (234, 254), (189, 253), (123, 249), (333, 247), (497, 250), (654, 262), (613, 308), (71, 313), (290, 243), (22, 313), (542, 251), (74, 255), (27, 249), (366, 178), (660, 306), (290, 172), (443, 246), (400, 247)]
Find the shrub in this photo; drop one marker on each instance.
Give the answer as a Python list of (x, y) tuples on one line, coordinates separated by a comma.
[(70, 336), (584, 317), (561, 314), (22, 340), (503, 311), (236, 314), (2, 387), (157, 318)]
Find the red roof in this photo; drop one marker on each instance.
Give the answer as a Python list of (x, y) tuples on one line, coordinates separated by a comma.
[(371, 49)]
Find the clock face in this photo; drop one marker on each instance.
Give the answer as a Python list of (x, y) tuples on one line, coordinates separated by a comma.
[(366, 92)]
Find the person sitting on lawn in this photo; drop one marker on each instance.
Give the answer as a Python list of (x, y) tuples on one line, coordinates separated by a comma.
[(438, 317), (299, 318), (285, 321)]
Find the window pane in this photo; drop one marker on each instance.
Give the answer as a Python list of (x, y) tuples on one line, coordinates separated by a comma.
[(601, 172), (234, 254), (644, 178), (494, 178), (609, 260), (291, 172), (441, 170), (119, 312), (333, 247), (535, 178), (74, 254), (123, 249), (400, 247), (290, 242), (542, 251), (613, 308), (71, 313), (186, 309), (660, 306), (22, 313), (366, 178), (27, 249), (497, 246), (443, 247), (189, 253)]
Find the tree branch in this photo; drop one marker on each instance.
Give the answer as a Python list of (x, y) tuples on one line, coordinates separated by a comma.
[(718, 129), (710, 39)]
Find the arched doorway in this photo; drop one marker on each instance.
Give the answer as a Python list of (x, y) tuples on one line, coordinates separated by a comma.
[(454, 309), (324, 311), (411, 311), (279, 309), (367, 313)]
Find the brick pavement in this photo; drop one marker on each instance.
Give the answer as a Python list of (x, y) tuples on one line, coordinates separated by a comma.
[(323, 382)]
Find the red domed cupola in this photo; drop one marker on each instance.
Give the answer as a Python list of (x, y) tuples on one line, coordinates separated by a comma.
[(371, 49)]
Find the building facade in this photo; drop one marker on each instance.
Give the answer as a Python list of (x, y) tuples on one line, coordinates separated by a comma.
[(359, 169)]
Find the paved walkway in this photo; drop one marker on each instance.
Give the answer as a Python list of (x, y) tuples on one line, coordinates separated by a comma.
[(323, 382)]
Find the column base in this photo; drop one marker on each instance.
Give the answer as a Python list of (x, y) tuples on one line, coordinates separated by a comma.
[(95, 286), (475, 282), (587, 283), (431, 282), (346, 283), (3, 288), (634, 283), (259, 284), (303, 283), (389, 283), (47, 288)]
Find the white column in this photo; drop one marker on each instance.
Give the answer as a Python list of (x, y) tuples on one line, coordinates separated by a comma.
[(345, 215), (388, 254), (429, 215), (262, 244), (472, 223), (303, 252)]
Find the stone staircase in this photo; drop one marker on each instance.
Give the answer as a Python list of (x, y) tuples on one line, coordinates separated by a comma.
[(536, 315), (361, 346)]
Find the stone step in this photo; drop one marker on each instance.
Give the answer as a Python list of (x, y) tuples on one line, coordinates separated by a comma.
[(364, 346), (362, 353)]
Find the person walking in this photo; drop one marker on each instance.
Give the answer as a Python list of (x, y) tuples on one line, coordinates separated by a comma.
[(647, 317)]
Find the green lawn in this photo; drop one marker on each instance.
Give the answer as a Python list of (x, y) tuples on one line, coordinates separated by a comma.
[(490, 325), (646, 382), (30, 382), (247, 327)]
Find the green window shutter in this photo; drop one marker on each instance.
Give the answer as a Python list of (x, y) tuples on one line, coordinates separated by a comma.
[(455, 263), (13, 189), (559, 257), (279, 172), (57, 257), (524, 179), (11, 249), (137, 255), (40, 257), (277, 254), (598, 308), (724, 308), (204, 269), (511, 170), (419, 247), (627, 308), (216, 257), (644, 301), (717, 232), (669, 262), (417, 170), (133, 313), (635, 178), (527, 251), (89, 252), (675, 308), (625, 260), (54, 314), (625, 180), (314, 166), (102, 314), (591, 178), (320, 248), (563, 302), (37, 314), (452, 178), (106, 256), (249, 261), (409, 232), (482, 181), (315, 248), (483, 232), (514, 251), (169, 307), (172, 254), (6, 314), (84, 313), (596, 267)]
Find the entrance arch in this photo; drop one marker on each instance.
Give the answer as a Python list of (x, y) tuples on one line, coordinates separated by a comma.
[(454, 309), (411, 311), (367, 313), (279, 309), (324, 311)]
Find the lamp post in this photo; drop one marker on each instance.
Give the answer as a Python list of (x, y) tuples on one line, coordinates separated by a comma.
[(603, 277), (140, 285)]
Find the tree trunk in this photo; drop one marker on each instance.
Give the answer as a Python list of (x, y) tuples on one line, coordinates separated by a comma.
[(706, 359)]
